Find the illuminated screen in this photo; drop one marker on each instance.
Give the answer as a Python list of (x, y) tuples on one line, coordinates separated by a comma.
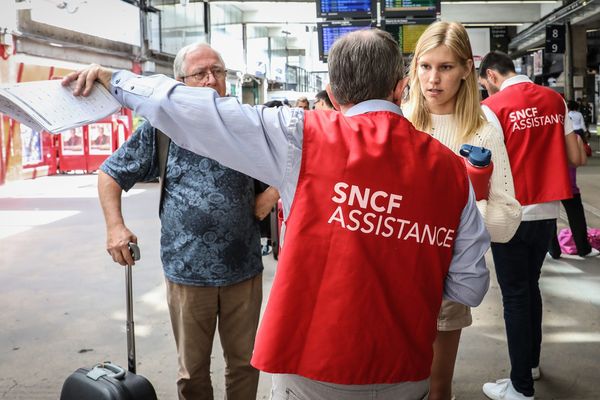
[(410, 36), (406, 35), (353, 8), (334, 6), (401, 5), (329, 32), (408, 8)]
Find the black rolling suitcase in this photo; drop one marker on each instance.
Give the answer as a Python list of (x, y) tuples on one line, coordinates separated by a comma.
[(108, 381)]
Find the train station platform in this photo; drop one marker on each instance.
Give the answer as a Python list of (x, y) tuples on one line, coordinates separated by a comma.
[(63, 302)]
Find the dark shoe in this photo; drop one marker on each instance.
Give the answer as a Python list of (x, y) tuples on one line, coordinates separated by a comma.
[(593, 253), (266, 249)]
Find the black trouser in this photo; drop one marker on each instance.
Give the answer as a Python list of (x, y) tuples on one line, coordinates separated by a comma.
[(518, 266), (578, 225)]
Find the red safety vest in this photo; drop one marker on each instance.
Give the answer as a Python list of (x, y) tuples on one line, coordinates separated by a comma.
[(368, 245), (532, 118)]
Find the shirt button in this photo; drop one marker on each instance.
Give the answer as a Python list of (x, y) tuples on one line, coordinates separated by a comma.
[(131, 88), (117, 81)]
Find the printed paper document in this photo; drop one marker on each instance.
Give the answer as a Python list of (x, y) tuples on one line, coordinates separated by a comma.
[(49, 106)]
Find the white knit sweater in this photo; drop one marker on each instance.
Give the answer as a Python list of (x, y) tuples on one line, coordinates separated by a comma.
[(501, 211)]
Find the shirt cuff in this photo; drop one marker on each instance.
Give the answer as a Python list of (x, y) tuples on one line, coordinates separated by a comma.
[(117, 81)]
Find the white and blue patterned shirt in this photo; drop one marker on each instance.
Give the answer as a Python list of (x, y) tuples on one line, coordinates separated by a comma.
[(209, 236)]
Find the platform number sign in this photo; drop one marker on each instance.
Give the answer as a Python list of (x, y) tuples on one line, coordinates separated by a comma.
[(555, 39)]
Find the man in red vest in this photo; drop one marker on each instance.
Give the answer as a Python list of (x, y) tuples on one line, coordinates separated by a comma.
[(540, 142), (381, 221)]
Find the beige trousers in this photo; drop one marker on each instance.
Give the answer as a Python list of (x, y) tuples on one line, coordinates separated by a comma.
[(196, 311), (295, 387)]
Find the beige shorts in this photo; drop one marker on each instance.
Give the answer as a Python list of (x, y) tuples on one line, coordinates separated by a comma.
[(453, 316)]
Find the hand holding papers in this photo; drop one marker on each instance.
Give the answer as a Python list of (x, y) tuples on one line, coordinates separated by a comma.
[(51, 106)]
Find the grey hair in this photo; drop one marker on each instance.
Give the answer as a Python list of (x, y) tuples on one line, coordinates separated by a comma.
[(364, 65), (178, 63)]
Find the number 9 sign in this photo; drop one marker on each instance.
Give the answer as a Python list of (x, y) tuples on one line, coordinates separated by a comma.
[(555, 39)]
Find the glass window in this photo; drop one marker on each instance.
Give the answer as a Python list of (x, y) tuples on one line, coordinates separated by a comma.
[(226, 34), (175, 26)]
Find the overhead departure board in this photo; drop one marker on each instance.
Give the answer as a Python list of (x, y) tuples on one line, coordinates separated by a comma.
[(344, 8), (410, 36), (410, 4), (408, 8), (406, 35), (329, 32)]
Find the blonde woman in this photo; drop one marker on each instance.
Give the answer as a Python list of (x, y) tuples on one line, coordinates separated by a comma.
[(444, 102)]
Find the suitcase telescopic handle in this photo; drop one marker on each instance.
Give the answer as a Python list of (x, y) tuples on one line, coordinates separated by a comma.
[(135, 253)]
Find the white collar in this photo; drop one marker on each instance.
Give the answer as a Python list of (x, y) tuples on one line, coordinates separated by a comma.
[(515, 80), (372, 106)]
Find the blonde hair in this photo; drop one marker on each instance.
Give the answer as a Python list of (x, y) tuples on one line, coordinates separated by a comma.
[(467, 110)]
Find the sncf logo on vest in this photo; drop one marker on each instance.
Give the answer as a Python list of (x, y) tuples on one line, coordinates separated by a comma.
[(370, 212), (530, 118)]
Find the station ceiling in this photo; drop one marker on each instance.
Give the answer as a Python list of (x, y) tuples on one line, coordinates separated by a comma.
[(529, 16)]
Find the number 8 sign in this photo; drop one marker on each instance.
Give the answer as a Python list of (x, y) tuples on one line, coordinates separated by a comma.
[(555, 39)]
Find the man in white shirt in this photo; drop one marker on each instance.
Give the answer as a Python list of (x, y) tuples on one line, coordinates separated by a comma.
[(540, 142)]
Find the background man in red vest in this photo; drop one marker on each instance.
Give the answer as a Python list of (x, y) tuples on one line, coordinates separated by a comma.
[(370, 248), (540, 143)]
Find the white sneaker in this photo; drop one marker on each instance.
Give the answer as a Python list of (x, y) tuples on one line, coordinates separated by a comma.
[(593, 253), (536, 374), (503, 390)]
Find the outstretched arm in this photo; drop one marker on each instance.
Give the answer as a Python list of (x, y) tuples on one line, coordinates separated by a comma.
[(253, 140)]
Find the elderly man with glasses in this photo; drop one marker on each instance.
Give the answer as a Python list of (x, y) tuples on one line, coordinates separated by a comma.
[(210, 241)]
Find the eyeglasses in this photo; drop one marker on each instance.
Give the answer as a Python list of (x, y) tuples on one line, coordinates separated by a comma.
[(202, 76)]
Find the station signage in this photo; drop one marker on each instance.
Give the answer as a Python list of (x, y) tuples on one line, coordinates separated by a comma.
[(555, 39)]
